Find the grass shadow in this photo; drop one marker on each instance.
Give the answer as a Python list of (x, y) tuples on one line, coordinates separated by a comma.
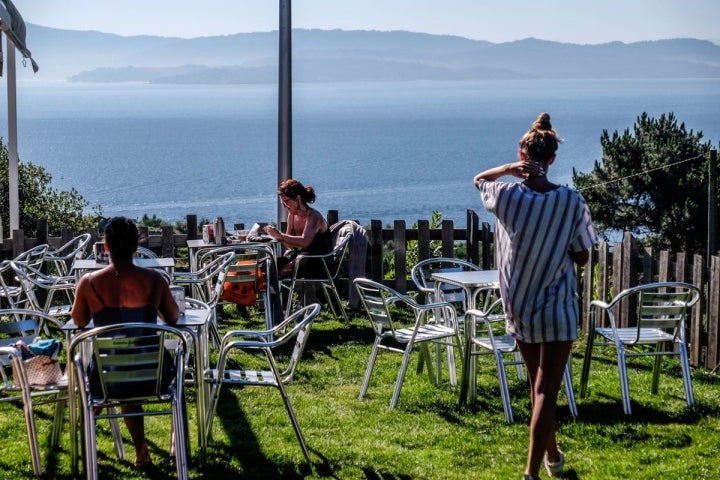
[(244, 448)]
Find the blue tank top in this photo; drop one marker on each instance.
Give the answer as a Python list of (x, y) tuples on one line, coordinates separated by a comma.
[(117, 315)]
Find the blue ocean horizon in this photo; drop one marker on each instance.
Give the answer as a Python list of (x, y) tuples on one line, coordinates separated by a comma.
[(373, 151)]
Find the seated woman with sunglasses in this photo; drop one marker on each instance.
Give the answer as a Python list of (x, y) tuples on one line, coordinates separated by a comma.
[(307, 230)]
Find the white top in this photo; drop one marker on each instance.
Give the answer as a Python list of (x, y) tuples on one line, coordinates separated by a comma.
[(534, 235)]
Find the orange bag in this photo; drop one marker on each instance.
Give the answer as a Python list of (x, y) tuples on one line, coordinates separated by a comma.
[(243, 293)]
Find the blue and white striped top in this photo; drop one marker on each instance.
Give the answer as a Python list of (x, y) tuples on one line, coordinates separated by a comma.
[(534, 234)]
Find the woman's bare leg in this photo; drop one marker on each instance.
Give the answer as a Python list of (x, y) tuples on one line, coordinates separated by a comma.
[(546, 364), (136, 427)]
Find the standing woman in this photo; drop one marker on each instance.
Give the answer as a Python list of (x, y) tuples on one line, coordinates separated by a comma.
[(542, 231), (307, 230)]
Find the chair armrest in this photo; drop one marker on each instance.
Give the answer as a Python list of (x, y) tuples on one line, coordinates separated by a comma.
[(599, 304), (183, 277)]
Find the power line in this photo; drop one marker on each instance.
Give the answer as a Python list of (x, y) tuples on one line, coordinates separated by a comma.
[(642, 173)]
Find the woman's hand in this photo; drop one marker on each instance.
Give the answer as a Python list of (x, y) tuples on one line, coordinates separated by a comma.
[(526, 168), (273, 232)]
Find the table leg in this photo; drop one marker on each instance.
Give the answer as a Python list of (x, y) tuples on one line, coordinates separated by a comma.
[(73, 414), (201, 394)]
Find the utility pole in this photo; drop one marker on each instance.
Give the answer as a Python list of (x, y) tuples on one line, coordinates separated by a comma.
[(712, 248), (284, 102)]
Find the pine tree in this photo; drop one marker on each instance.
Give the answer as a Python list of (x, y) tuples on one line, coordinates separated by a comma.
[(651, 182)]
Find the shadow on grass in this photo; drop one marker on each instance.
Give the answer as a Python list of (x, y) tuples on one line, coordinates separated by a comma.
[(244, 449), (609, 411), (373, 475)]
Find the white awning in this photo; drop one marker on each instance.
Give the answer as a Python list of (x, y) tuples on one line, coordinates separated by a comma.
[(12, 23)]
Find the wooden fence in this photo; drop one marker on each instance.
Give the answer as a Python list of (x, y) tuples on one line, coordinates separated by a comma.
[(613, 267)]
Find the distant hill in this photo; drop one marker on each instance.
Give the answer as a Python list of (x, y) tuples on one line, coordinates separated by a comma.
[(337, 56)]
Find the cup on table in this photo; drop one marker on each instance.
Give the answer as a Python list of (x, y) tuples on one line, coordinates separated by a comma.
[(178, 294), (101, 256)]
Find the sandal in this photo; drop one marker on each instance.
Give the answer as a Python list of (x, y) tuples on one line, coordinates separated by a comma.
[(555, 469)]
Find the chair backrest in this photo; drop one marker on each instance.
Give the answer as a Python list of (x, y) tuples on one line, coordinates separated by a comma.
[(295, 327), (34, 256), (131, 361), (143, 252), (61, 258), (332, 261), (666, 306), (422, 272), (31, 278), (214, 267), (18, 324), (9, 290), (377, 300), (661, 305), (247, 276)]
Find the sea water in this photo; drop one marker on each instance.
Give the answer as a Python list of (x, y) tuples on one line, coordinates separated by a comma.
[(380, 151)]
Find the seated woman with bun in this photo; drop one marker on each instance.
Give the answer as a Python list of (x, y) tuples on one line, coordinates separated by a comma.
[(307, 230)]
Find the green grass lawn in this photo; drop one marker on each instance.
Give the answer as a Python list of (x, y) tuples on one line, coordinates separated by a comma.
[(428, 436)]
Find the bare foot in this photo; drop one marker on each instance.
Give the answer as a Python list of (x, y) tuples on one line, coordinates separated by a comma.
[(142, 457)]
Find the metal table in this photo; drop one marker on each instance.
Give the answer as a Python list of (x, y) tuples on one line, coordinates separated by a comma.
[(473, 283), (81, 266)]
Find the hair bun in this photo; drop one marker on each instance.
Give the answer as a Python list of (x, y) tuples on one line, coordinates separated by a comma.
[(542, 122)]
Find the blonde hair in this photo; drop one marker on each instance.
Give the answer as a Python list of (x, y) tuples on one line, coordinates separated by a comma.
[(540, 142)]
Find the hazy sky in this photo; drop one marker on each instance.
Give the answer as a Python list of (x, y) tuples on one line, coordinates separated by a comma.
[(574, 21)]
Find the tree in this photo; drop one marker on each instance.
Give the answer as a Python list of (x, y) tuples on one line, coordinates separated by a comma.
[(651, 182), (38, 199)]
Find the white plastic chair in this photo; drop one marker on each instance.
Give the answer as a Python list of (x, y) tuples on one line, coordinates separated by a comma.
[(660, 313)]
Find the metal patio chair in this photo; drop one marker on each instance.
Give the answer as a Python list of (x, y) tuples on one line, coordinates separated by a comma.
[(265, 343), (490, 339), (26, 325), (129, 361), (661, 310), (391, 330)]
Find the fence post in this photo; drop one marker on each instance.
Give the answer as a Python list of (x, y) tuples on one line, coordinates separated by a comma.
[(648, 270), (192, 227), (376, 250), (66, 234), (664, 266), (472, 235), (697, 337), (713, 292), (400, 242), (487, 238), (167, 242), (680, 267), (423, 241), (18, 242), (42, 231), (448, 238), (712, 248)]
